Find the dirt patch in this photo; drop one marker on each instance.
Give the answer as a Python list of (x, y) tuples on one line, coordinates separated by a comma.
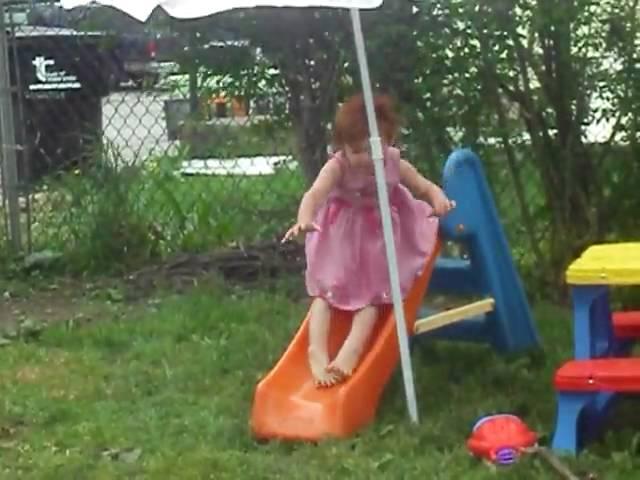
[(58, 300), (70, 299), (236, 265)]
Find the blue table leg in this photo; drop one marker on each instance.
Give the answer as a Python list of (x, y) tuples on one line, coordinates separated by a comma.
[(593, 331), (567, 437), (593, 338)]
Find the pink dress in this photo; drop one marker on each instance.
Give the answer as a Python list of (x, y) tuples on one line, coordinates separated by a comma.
[(346, 261)]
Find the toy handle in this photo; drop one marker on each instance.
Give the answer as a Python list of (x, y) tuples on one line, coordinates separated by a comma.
[(555, 462)]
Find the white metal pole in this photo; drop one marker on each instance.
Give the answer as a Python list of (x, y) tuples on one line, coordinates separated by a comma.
[(385, 214), (8, 137)]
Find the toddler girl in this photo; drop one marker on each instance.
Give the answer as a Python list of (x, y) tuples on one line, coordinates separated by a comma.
[(345, 252)]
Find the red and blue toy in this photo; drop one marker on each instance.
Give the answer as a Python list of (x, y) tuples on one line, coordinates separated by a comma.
[(501, 438)]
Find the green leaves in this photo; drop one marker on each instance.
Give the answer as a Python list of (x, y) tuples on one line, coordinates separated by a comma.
[(547, 91)]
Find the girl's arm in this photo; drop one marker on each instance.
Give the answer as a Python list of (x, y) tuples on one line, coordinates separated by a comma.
[(418, 185), (313, 198), (322, 186), (424, 189)]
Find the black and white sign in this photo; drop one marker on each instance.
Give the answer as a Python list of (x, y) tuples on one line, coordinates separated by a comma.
[(49, 78)]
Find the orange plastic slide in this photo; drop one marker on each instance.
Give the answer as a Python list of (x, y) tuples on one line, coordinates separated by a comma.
[(288, 406)]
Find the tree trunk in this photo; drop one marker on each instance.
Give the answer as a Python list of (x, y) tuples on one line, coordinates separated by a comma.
[(309, 128), (311, 78), (310, 61)]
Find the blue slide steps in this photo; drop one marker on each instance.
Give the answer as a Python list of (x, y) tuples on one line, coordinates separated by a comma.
[(489, 270)]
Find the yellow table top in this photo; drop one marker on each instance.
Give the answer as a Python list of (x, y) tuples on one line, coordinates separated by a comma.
[(607, 264)]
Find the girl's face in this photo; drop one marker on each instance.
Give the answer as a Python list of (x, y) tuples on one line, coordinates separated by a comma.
[(359, 155)]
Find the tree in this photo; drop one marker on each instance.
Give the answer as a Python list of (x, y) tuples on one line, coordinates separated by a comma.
[(535, 75), (306, 47), (313, 51)]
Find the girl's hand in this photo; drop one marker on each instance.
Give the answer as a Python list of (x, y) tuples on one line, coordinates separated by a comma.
[(425, 190), (298, 229), (441, 204)]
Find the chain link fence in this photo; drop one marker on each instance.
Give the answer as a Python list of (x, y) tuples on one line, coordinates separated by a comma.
[(122, 151)]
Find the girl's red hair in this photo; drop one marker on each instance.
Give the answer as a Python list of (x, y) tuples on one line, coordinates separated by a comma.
[(351, 125)]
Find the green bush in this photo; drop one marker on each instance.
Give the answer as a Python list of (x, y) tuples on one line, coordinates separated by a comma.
[(217, 139), (113, 216)]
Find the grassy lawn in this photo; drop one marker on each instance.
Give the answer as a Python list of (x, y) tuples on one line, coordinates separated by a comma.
[(163, 390)]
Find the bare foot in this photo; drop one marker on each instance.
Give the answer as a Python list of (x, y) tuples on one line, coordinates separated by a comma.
[(318, 363), (348, 357), (343, 365)]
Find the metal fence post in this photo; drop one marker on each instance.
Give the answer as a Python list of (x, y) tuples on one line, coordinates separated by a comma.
[(10, 185)]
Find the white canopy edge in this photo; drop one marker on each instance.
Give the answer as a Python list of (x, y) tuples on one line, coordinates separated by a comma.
[(189, 9)]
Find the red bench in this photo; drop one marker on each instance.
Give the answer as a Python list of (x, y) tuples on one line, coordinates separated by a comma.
[(626, 324), (584, 387), (620, 375)]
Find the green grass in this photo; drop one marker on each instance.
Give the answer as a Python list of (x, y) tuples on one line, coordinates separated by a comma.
[(111, 215), (214, 140), (175, 380), (106, 218)]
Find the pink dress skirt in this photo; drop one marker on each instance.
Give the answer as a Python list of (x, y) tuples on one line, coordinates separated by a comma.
[(346, 260)]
